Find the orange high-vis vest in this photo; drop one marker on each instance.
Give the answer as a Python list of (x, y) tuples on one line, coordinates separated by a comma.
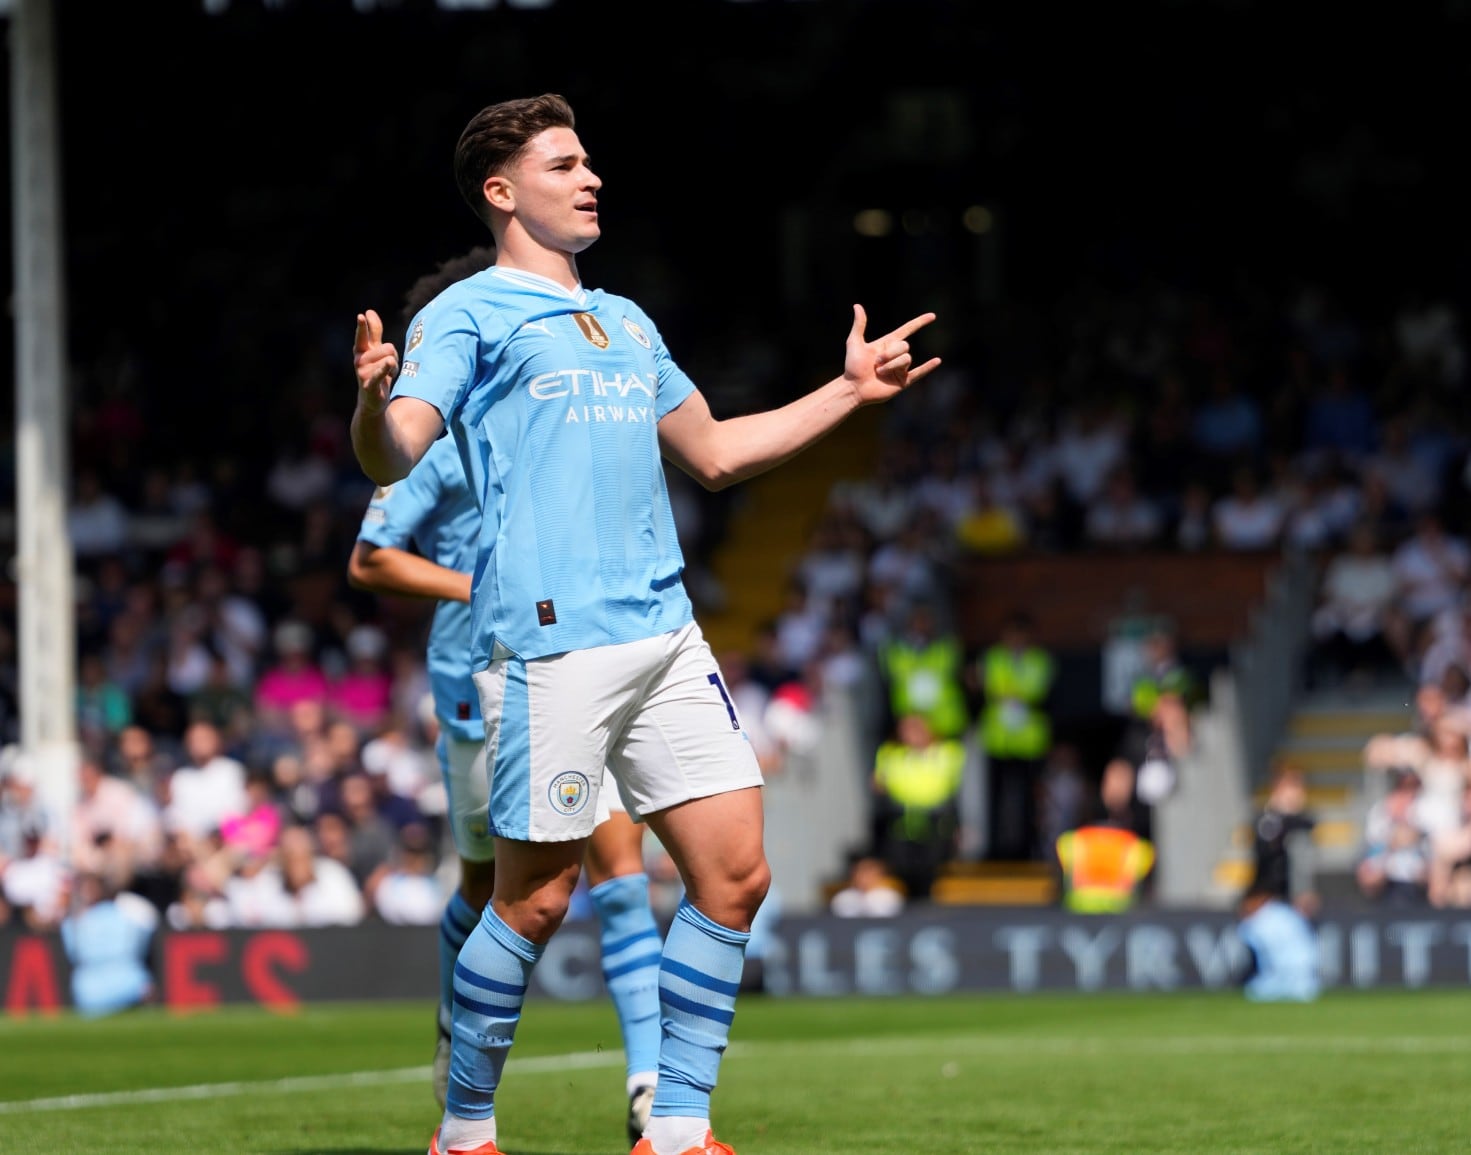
[(1101, 867)]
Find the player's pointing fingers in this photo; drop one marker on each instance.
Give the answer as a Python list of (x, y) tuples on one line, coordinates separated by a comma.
[(370, 331), (375, 325), (913, 326), (923, 371)]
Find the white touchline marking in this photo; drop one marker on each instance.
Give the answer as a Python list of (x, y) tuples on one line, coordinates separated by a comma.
[(885, 1047), (540, 1064), (216, 1090)]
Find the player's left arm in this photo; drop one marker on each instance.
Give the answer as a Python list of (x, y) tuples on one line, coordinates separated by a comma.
[(387, 570), (718, 453)]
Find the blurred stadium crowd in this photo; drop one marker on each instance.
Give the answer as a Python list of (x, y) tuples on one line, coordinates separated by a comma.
[(257, 735)]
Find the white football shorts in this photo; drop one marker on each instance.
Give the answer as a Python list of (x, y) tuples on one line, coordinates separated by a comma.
[(609, 799), (467, 789), (653, 714)]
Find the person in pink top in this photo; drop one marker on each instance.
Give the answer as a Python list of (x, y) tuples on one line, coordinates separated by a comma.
[(252, 833), (363, 693), (294, 678)]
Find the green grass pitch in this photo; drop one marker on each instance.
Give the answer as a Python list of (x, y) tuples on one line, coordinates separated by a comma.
[(1357, 1071)]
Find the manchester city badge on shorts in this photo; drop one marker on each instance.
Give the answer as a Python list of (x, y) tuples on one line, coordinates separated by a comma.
[(569, 792)]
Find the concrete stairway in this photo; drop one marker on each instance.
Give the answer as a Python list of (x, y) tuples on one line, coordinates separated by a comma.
[(1325, 740)]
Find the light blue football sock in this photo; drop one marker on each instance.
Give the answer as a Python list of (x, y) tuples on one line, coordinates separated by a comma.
[(491, 975), (631, 957), (455, 925), (698, 981)]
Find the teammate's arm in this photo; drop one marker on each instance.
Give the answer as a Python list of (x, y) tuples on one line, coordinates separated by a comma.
[(721, 453), (389, 439), (386, 570)]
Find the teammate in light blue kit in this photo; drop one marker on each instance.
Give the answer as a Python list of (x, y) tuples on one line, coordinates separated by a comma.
[(418, 539), (561, 400), (1284, 950), (106, 939)]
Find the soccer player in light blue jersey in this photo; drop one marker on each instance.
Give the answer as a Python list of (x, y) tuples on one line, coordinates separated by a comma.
[(561, 400), (418, 539), (1283, 949)]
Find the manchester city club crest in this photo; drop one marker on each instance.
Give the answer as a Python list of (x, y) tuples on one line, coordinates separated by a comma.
[(636, 332), (569, 791)]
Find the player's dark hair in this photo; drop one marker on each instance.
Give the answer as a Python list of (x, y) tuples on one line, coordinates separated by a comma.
[(497, 135), (430, 285)]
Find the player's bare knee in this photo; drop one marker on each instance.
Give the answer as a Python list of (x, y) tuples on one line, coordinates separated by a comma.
[(734, 897), (753, 887), (536, 916)]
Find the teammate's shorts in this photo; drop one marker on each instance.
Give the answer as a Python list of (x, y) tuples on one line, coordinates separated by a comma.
[(655, 713), (462, 765), (609, 800)]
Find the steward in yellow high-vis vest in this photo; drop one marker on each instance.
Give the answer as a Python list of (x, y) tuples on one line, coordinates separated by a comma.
[(1016, 677), (925, 670), (1016, 684), (917, 778)]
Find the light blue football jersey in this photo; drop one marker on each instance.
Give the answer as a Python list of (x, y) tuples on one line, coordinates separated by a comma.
[(554, 397), (433, 510), (1286, 950)]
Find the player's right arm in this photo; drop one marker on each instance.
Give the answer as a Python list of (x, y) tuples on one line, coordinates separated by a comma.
[(388, 570), (389, 434)]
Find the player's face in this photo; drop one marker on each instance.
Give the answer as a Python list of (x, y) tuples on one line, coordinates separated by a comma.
[(556, 193)]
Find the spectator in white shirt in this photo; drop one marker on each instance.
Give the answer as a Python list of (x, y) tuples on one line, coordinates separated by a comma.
[(208, 788), (1088, 447), (96, 521), (299, 888), (1121, 517), (1247, 518), (35, 884), (1356, 627), (799, 626), (300, 475), (115, 829), (869, 893), (833, 566), (1431, 568), (406, 892), (885, 501), (909, 562)]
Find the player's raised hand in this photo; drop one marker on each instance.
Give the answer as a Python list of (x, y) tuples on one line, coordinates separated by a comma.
[(880, 368), (376, 362)]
